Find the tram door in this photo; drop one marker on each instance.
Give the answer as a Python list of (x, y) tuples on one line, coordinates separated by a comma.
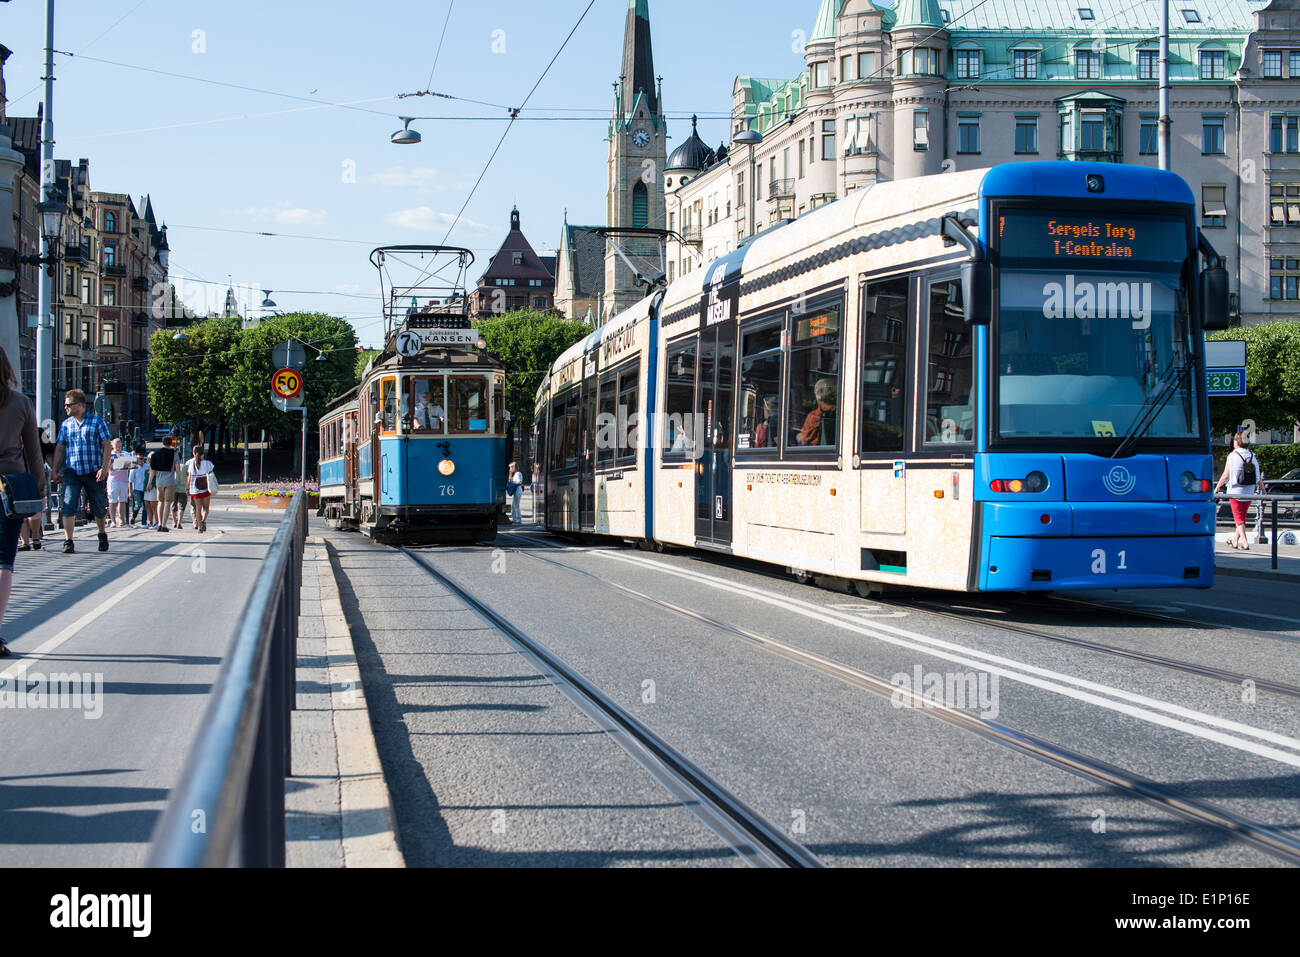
[(587, 453), (714, 404), (350, 458)]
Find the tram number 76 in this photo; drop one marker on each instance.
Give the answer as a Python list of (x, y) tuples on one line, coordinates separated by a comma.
[(1099, 561), (447, 490)]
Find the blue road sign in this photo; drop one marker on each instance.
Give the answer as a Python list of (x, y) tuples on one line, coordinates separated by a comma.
[(1225, 381)]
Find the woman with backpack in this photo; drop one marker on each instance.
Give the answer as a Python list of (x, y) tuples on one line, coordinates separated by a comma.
[(1242, 474), (20, 452), (201, 485)]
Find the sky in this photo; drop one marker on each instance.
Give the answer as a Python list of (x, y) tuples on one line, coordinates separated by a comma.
[(310, 156)]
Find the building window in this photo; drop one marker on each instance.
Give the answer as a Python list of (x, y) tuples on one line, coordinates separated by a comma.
[(1085, 13), (1087, 65), (821, 73), (1092, 132), (801, 157), (69, 282), (1026, 134), (968, 134), (640, 205), (967, 64), (1273, 63), (1211, 134), (109, 335), (1284, 204), (86, 290), (920, 129), (866, 66), (87, 334), (1284, 279), (919, 61), (1284, 134), (846, 68), (110, 222), (1148, 64), (1212, 64), (1214, 205), (1191, 16), (1149, 137), (828, 140), (110, 255), (539, 302), (1025, 64), (110, 294), (1067, 134)]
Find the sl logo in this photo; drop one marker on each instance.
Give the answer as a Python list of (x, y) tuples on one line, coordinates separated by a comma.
[(1119, 481)]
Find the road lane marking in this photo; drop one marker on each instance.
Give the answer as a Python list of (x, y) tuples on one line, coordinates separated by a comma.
[(1232, 611), (1043, 678)]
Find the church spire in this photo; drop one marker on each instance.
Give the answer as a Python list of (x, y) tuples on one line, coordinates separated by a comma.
[(638, 60)]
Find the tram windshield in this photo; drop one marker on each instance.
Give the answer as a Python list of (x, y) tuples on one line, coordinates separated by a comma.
[(1093, 328), (467, 410)]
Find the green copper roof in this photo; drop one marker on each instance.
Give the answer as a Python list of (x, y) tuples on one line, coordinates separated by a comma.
[(824, 29), (918, 13)]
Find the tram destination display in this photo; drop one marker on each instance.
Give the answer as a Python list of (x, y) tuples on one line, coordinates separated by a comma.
[(1127, 238)]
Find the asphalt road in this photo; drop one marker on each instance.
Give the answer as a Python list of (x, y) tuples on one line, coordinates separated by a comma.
[(491, 765), (146, 625)]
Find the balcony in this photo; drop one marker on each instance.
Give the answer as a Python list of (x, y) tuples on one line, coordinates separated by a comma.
[(76, 252), (140, 283), (692, 235), (780, 189), (114, 269)]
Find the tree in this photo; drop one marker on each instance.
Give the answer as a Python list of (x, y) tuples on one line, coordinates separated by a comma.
[(189, 377), (248, 395), (363, 359), (1272, 398), (527, 342)]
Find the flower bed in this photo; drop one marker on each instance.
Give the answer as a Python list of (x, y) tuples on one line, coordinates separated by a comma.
[(278, 494)]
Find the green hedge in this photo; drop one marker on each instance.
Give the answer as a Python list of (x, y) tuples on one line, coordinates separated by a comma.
[(1276, 460)]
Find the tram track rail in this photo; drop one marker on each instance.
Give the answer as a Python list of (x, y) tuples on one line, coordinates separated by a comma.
[(1272, 840), (751, 836)]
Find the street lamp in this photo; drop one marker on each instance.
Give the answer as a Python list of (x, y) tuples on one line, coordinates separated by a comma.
[(752, 137), (406, 136), (267, 303), (52, 232)]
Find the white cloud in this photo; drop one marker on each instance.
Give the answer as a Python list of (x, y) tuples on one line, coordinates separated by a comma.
[(284, 213), (404, 177), (423, 218)]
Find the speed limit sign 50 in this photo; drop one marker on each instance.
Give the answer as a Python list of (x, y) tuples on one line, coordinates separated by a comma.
[(287, 383)]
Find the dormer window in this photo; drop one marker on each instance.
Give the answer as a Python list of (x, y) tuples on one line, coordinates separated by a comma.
[(1191, 16), (1085, 13)]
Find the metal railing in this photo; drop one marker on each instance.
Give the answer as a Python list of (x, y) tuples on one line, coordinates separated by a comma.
[(692, 235), (1261, 499), (780, 189), (227, 809)]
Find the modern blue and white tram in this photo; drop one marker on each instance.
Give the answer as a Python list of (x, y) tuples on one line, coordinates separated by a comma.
[(985, 381)]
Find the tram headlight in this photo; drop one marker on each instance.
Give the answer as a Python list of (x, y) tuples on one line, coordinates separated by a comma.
[(1192, 484), (446, 467), (1035, 481)]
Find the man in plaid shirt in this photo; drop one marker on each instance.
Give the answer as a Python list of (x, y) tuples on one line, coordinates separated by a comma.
[(82, 452)]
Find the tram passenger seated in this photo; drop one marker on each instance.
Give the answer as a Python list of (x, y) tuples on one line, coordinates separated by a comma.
[(769, 427), (819, 424), (428, 415)]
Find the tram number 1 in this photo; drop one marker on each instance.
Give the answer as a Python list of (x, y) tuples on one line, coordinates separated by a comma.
[(447, 490), (1099, 561)]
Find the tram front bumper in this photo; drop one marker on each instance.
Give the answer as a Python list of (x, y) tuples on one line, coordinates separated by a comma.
[(1058, 564)]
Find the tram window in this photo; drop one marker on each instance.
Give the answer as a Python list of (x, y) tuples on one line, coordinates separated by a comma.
[(884, 368), (571, 431), (760, 388), (814, 379), (607, 420), (629, 418), (428, 405), (949, 412), (499, 405), (679, 402), (559, 434), (468, 401), (389, 405)]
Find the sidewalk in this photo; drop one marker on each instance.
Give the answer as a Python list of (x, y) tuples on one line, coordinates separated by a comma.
[(336, 802), (1258, 561)]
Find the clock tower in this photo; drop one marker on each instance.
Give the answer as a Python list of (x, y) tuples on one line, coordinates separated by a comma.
[(638, 153)]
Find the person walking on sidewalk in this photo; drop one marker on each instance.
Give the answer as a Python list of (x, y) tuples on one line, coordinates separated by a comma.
[(1242, 474), (119, 483), (200, 470), (20, 451), (162, 479), (139, 482), (81, 452), (515, 489), (182, 489)]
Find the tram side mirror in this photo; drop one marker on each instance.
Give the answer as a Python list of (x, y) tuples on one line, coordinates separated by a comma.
[(977, 291), (1214, 298)]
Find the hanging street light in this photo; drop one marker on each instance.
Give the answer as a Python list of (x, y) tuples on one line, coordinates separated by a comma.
[(406, 136)]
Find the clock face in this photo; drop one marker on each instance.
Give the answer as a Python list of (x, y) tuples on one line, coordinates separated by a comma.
[(641, 138)]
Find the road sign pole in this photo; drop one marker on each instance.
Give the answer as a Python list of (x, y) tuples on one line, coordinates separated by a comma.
[(304, 450)]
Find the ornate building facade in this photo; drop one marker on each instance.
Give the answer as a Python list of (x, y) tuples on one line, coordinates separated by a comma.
[(928, 86)]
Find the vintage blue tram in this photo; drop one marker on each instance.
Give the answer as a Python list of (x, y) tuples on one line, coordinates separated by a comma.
[(416, 453), (989, 380)]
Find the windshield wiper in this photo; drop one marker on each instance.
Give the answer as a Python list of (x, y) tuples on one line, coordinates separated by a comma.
[(1147, 415)]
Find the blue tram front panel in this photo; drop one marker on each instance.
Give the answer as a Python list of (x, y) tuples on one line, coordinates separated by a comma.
[(331, 473), (1137, 522), (409, 472)]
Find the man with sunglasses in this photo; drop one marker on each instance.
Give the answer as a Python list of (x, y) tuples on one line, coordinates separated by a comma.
[(82, 452)]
